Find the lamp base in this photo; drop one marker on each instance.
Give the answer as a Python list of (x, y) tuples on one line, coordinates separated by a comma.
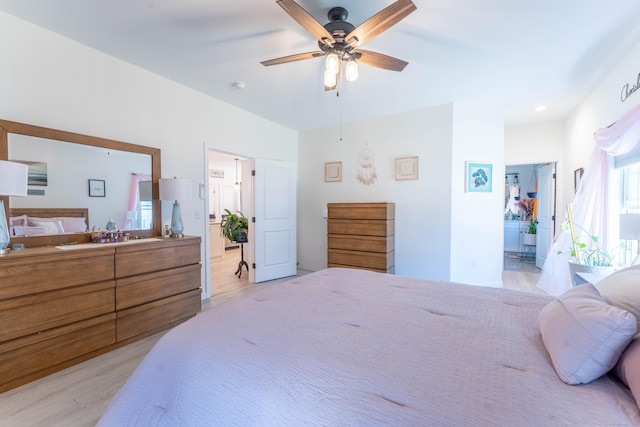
[(176, 221)]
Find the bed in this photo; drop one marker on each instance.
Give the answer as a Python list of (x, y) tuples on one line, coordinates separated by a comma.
[(354, 347), (25, 222)]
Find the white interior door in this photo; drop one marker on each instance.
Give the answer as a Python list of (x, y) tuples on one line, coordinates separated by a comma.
[(546, 208), (274, 209)]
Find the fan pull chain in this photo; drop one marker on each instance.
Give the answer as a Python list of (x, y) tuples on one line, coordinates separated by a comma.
[(340, 107)]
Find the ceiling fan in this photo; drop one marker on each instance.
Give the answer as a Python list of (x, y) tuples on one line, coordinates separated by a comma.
[(339, 40)]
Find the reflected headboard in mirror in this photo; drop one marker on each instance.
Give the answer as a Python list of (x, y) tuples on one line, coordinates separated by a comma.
[(12, 133)]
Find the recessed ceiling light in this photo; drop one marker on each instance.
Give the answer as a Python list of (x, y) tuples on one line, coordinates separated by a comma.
[(239, 85), (540, 108)]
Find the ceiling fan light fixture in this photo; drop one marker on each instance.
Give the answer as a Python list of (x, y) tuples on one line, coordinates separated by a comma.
[(332, 62), (351, 71), (330, 78)]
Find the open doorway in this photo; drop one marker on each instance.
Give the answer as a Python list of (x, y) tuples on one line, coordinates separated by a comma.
[(529, 215), (225, 193)]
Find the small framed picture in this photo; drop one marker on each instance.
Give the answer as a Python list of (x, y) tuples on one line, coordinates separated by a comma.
[(96, 188), (479, 177), (406, 168), (333, 172)]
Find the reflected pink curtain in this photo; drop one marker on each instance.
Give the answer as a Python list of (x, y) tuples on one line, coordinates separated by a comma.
[(588, 205), (134, 197)]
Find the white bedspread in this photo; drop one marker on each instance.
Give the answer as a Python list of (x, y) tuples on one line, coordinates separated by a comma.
[(348, 347)]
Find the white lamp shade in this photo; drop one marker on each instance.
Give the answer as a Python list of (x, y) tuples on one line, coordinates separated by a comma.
[(13, 178), (630, 226), (175, 189)]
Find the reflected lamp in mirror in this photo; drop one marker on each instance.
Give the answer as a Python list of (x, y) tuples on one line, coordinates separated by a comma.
[(13, 182), (630, 230), (176, 189)]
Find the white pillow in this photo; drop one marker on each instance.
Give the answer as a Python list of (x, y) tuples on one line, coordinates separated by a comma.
[(18, 220), (74, 224), (52, 227), (622, 289), (584, 335), (20, 230)]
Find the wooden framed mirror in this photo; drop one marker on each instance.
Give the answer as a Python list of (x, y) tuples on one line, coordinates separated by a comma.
[(16, 133)]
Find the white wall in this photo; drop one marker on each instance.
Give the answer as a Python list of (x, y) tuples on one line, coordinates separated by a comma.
[(422, 239), (477, 226), (600, 109), (51, 81), (540, 143), (431, 241)]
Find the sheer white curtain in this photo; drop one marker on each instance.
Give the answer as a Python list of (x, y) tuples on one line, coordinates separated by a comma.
[(589, 204)]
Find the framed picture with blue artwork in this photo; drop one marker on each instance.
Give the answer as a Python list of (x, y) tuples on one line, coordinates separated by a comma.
[(479, 177)]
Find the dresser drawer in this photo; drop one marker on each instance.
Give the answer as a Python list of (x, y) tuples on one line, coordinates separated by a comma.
[(379, 244), (359, 259), (144, 288), (154, 258), (147, 319), (40, 312), (31, 357), (367, 211), (28, 275), (361, 227)]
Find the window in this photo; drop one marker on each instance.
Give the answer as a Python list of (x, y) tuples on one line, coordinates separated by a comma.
[(625, 182)]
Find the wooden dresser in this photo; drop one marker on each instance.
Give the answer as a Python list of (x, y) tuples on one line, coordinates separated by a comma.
[(361, 235), (59, 307)]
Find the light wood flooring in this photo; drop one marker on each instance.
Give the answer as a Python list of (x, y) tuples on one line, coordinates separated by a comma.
[(78, 396)]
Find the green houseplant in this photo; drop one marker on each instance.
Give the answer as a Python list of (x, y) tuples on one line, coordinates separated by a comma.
[(234, 226), (590, 256), (529, 237)]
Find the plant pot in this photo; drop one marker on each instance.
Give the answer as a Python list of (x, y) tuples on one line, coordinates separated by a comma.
[(529, 239)]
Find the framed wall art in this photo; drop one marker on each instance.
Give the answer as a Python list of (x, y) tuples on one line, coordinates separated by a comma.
[(333, 172), (96, 188), (479, 177), (406, 168)]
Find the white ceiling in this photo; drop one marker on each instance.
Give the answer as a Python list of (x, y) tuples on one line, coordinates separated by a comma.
[(515, 53)]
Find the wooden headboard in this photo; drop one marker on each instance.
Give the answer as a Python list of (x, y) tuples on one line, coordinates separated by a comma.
[(51, 212)]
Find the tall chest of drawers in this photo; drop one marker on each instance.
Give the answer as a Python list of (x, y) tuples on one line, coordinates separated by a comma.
[(361, 235)]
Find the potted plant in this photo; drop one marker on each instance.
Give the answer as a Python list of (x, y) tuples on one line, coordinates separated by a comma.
[(590, 256), (234, 227), (529, 237)]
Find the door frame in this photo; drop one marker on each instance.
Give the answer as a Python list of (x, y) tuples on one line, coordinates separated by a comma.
[(207, 148), (558, 166)]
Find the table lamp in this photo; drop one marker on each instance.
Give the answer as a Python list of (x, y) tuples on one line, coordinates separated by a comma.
[(13, 182), (175, 189), (630, 230)]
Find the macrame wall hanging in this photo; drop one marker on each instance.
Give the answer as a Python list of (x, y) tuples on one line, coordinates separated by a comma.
[(366, 166)]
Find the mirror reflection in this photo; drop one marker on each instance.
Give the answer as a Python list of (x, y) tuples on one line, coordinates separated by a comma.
[(114, 186)]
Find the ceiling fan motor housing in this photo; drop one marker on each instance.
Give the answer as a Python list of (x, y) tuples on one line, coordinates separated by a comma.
[(339, 28)]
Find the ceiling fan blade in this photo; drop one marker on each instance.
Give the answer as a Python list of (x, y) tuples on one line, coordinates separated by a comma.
[(292, 58), (380, 22), (307, 21), (381, 60)]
